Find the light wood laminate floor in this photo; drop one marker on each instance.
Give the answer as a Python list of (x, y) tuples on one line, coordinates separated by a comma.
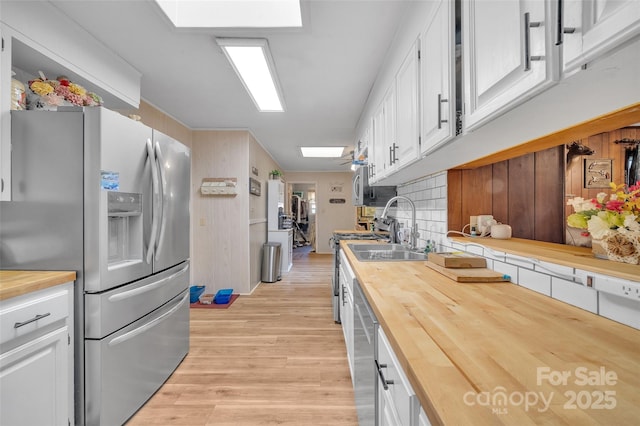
[(275, 357)]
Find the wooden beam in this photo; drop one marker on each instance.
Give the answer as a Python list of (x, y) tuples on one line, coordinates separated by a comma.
[(615, 120)]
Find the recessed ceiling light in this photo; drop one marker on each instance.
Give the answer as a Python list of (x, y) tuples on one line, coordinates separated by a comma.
[(232, 13), (252, 61), (322, 151)]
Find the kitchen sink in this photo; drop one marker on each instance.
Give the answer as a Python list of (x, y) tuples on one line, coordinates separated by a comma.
[(384, 253)]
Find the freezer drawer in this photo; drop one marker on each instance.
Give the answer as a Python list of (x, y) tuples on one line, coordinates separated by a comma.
[(110, 311), (123, 370)]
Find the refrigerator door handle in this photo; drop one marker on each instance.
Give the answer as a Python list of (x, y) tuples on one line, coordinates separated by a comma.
[(154, 210), (133, 333), (163, 195), (146, 288)]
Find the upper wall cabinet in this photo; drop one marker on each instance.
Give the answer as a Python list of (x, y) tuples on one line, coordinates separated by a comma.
[(383, 135), (589, 28), (437, 79), (405, 146), (508, 55)]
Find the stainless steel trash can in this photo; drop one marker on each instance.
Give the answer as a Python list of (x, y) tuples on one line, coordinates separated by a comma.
[(271, 262)]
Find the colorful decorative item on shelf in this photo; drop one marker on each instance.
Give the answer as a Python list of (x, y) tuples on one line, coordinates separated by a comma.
[(49, 94), (612, 220)]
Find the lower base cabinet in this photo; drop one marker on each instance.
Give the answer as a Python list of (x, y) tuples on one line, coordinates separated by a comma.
[(398, 404), (36, 362)]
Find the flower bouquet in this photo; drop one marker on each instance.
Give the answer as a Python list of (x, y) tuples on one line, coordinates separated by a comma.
[(612, 220), (49, 94)]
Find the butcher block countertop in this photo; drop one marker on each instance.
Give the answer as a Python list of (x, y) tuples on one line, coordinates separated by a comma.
[(566, 255), (17, 283), (498, 353)]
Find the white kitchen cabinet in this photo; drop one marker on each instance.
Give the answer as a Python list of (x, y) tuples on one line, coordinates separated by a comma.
[(380, 156), (508, 55), (361, 149), (590, 28), (346, 312), (423, 420), (397, 402), (36, 362), (405, 143), (437, 79)]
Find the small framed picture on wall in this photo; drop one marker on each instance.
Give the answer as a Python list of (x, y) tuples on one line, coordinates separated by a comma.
[(597, 172)]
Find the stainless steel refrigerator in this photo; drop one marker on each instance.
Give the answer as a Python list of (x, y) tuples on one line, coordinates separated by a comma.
[(107, 197)]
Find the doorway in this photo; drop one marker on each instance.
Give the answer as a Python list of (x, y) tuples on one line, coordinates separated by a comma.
[(301, 206)]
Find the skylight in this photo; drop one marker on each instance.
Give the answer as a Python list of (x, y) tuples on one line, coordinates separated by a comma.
[(252, 62), (322, 151), (232, 13)]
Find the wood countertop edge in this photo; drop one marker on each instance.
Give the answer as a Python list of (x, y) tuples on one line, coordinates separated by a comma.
[(560, 254), (18, 283), (424, 357)]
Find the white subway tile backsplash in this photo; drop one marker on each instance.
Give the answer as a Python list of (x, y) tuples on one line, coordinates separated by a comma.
[(574, 294), (555, 269), (506, 269), (535, 281), (519, 261), (619, 309)]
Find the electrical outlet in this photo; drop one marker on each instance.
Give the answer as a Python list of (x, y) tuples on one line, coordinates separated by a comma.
[(618, 287)]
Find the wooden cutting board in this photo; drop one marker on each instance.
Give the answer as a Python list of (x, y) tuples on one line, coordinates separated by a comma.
[(470, 275)]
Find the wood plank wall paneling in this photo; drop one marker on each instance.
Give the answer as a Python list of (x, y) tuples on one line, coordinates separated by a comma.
[(518, 192), (549, 190), (500, 192), (476, 190), (529, 192), (522, 196)]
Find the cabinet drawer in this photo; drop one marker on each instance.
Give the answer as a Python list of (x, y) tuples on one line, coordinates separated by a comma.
[(25, 314), (400, 391)]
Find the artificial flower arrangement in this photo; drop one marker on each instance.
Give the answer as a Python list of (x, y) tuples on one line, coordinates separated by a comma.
[(59, 92), (613, 220)]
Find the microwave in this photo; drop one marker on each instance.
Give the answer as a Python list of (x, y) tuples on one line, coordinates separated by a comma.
[(371, 196)]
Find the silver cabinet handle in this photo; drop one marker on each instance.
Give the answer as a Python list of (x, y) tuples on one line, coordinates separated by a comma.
[(561, 30), (34, 319), (385, 382), (440, 102), (527, 41), (392, 153)]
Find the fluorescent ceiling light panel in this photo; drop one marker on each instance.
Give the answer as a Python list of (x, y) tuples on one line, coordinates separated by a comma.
[(233, 13), (322, 151), (252, 62)]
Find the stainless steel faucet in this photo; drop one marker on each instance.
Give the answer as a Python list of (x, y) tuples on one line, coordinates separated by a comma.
[(414, 227)]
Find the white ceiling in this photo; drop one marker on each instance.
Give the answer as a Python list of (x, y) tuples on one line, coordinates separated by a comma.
[(326, 70)]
